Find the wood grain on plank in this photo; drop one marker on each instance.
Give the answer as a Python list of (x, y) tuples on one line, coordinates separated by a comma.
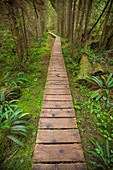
[(57, 104), (58, 74), (57, 91), (57, 86), (51, 82), (57, 113), (58, 153), (57, 97), (72, 166), (58, 136), (60, 123)]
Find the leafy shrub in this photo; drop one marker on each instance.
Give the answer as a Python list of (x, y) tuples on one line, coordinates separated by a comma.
[(103, 155), (15, 79), (7, 45), (12, 121), (100, 104)]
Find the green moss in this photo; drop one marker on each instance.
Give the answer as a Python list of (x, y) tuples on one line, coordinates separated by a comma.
[(31, 100)]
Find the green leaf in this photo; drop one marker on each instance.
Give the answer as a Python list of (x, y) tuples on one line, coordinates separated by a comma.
[(108, 79), (98, 165), (107, 148), (15, 140)]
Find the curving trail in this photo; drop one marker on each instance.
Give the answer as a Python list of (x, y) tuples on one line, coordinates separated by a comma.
[(58, 145)]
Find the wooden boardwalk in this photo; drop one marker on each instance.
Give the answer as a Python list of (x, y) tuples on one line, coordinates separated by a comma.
[(58, 145)]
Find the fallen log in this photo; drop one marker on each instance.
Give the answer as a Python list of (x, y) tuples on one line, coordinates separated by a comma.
[(86, 69)]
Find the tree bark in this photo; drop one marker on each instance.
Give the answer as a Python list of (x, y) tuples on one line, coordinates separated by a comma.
[(81, 21), (77, 21), (37, 23), (104, 27), (99, 17), (69, 18), (11, 8), (25, 34), (62, 18), (87, 18), (73, 17)]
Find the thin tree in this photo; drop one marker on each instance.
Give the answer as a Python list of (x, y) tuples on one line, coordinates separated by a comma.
[(25, 34), (104, 27), (10, 5), (87, 18), (99, 17), (62, 18), (73, 17), (81, 21), (77, 21), (37, 23), (69, 18)]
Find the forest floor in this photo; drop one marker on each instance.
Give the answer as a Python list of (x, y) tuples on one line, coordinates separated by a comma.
[(87, 121), (15, 157)]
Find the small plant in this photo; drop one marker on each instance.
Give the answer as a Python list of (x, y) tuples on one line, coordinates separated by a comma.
[(103, 155), (13, 124), (12, 119), (6, 105)]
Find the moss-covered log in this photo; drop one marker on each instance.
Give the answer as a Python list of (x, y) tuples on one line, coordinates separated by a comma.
[(86, 69)]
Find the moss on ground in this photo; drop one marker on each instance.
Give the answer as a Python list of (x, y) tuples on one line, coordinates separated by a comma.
[(19, 158), (85, 120)]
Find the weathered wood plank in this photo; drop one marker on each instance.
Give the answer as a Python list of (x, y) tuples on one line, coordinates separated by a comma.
[(57, 74), (72, 166), (57, 86), (57, 97), (57, 69), (56, 153), (57, 77), (57, 104), (57, 82), (57, 113), (58, 136), (57, 91), (61, 123)]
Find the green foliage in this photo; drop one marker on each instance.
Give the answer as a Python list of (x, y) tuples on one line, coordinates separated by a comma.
[(100, 105), (103, 155), (4, 104), (12, 119), (13, 124), (14, 79), (7, 45), (93, 56)]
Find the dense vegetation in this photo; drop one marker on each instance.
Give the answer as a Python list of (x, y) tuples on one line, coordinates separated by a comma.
[(87, 44)]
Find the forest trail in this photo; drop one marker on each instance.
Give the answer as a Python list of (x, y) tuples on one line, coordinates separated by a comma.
[(58, 145)]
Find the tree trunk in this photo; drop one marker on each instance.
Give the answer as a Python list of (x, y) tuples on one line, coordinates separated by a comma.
[(58, 16), (77, 21), (104, 27), (62, 18), (37, 23), (87, 18), (99, 17), (25, 34), (11, 6), (69, 18), (65, 16), (73, 17), (81, 21)]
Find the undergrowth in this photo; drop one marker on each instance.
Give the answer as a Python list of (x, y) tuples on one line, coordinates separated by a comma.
[(93, 117), (32, 87)]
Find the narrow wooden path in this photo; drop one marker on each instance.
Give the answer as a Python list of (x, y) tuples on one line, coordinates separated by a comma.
[(58, 145)]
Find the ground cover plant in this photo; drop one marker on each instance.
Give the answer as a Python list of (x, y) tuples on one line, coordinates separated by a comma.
[(93, 109), (19, 117)]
